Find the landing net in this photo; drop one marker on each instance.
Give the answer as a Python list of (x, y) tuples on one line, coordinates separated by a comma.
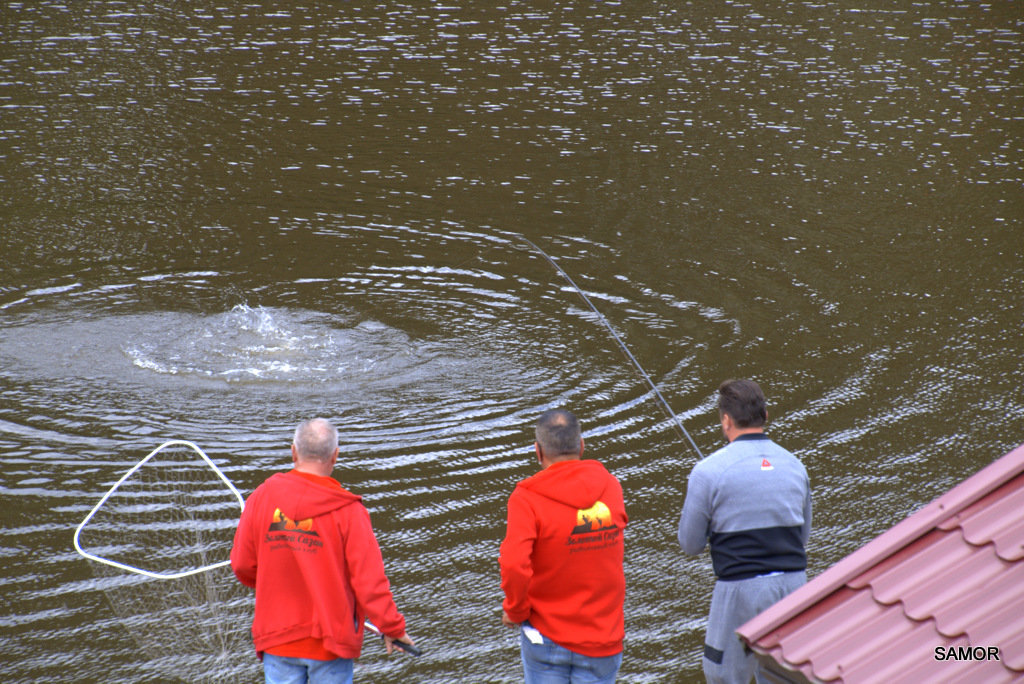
[(159, 539)]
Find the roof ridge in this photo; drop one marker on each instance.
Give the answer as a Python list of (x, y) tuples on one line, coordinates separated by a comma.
[(905, 532), (990, 520)]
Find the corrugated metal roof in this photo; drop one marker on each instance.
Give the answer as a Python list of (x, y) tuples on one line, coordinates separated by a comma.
[(950, 575)]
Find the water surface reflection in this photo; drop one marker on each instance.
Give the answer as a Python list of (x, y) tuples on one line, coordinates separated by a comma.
[(220, 218)]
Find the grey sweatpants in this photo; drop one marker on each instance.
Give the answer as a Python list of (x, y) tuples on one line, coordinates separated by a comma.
[(732, 604)]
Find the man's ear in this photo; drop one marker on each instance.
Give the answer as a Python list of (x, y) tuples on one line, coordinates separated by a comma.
[(582, 446), (295, 455)]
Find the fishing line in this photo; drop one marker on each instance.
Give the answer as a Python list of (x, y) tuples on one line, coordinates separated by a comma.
[(615, 335)]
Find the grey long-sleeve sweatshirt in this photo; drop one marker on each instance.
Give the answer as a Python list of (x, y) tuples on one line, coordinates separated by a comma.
[(752, 501)]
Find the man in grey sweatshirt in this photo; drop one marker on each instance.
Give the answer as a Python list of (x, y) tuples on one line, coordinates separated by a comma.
[(751, 500)]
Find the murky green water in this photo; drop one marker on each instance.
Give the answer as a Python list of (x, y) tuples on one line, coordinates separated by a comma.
[(221, 218)]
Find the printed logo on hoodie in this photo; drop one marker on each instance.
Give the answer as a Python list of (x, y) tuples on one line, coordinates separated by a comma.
[(285, 533), (280, 521), (594, 529)]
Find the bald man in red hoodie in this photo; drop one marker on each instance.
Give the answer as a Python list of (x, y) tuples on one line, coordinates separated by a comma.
[(306, 545), (561, 561)]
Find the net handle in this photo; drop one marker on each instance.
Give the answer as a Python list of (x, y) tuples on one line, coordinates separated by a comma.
[(140, 571)]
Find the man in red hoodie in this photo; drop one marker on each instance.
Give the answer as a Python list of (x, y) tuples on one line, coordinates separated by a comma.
[(306, 545), (561, 561)]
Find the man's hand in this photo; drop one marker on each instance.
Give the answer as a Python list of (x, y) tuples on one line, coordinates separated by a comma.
[(507, 621), (389, 643)]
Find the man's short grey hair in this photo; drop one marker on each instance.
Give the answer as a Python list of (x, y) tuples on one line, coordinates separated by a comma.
[(316, 440), (558, 433)]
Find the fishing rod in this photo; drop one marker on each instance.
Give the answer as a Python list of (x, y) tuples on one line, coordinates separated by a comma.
[(408, 648), (615, 335)]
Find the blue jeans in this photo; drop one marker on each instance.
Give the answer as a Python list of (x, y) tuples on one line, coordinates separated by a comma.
[(281, 670), (549, 663)]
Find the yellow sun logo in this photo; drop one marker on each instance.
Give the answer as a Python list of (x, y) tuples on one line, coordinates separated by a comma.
[(597, 517), (281, 521)]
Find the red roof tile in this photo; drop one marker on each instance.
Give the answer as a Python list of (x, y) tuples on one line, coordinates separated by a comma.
[(950, 575)]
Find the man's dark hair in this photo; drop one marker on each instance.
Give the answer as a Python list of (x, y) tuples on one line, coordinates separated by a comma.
[(558, 433), (744, 401)]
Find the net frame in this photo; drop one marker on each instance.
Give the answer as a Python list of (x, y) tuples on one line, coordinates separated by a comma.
[(131, 471)]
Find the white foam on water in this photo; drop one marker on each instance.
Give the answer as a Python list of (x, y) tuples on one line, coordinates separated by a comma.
[(282, 345)]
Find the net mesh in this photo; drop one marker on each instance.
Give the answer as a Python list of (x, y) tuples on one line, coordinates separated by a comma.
[(160, 541)]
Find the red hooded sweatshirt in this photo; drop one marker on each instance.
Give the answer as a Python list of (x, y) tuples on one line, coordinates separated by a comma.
[(310, 553), (561, 560)]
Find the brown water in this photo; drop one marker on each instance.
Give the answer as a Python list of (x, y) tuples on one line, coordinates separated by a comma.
[(221, 218)]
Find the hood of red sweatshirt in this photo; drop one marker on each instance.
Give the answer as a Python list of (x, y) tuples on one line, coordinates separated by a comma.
[(300, 498), (577, 483)]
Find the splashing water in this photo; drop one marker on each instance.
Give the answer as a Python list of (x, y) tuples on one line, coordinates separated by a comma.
[(280, 345)]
